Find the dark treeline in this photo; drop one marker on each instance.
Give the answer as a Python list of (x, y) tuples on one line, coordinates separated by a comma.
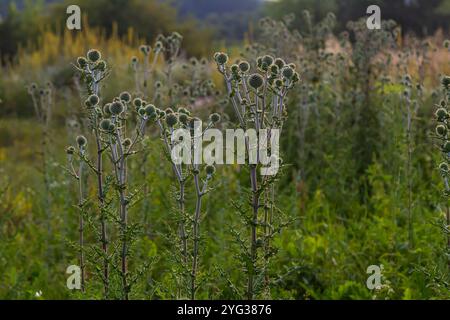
[(203, 22)]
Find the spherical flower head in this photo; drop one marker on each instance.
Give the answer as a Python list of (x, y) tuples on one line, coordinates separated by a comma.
[(101, 65), (116, 108), (70, 150), (127, 142), (106, 110), (93, 100), (274, 69), (183, 118), (441, 114), (141, 111), (279, 62), (287, 72), (81, 141), (446, 147), (134, 60), (171, 119), (105, 124), (446, 81), (441, 130), (137, 102), (184, 110), (82, 62), (255, 81), (210, 170), (150, 109), (234, 68), (279, 83), (443, 166), (221, 58), (214, 118), (169, 110), (244, 66), (125, 96), (94, 55), (267, 59)]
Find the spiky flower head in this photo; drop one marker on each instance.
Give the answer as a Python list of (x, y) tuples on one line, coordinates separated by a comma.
[(105, 124), (94, 55), (183, 118), (441, 130), (244, 66), (171, 119), (93, 100), (221, 58), (214, 118), (101, 65), (267, 59), (287, 72), (81, 141), (82, 62), (116, 108), (150, 109), (441, 114), (279, 62), (125, 96), (255, 80), (446, 147), (446, 82), (210, 170)]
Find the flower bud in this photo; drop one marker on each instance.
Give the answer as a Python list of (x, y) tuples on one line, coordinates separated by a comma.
[(125, 96), (255, 81), (214, 118), (210, 170), (441, 130), (81, 141), (116, 108), (105, 124), (171, 119), (221, 58), (244, 66)]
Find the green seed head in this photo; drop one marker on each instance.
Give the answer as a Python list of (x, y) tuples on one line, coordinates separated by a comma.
[(116, 108), (137, 102), (274, 69), (82, 62), (125, 96), (81, 141), (244, 66), (142, 112), (234, 68), (255, 81), (184, 118), (105, 124), (221, 58), (210, 170), (94, 55), (446, 81), (441, 130), (267, 59), (279, 62), (441, 114), (150, 109), (93, 100), (171, 119), (101, 65), (287, 72), (106, 109), (446, 147), (214, 118)]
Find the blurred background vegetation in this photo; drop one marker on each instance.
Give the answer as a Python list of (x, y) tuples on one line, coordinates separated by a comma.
[(345, 184)]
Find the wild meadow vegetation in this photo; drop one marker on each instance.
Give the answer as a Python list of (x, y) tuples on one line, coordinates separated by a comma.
[(87, 177)]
